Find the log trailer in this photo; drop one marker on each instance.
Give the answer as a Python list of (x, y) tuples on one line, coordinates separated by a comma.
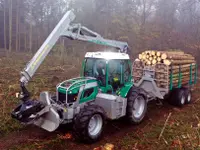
[(104, 91)]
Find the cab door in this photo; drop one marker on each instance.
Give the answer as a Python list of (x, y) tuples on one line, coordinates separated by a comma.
[(119, 74)]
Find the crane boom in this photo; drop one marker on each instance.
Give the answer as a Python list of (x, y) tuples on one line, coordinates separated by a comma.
[(73, 32), (46, 47), (78, 32)]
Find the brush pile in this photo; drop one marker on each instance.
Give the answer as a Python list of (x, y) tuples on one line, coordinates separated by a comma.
[(175, 67)]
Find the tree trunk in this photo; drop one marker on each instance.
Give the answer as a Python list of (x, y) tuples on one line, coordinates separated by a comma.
[(5, 35), (25, 40), (30, 33), (17, 26), (19, 46), (30, 37), (10, 26), (63, 51), (39, 38)]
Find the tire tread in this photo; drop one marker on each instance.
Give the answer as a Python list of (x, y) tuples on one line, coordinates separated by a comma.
[(81, 121)]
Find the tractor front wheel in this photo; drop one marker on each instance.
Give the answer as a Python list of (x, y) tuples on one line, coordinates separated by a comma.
[(89, 124)]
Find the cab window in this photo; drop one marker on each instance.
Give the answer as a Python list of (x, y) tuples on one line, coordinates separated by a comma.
[(127, 71), (115, 68), (96, 68)]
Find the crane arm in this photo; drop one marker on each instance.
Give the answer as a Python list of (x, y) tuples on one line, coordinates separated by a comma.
[(78, 32), (73, 32), (46, 47)]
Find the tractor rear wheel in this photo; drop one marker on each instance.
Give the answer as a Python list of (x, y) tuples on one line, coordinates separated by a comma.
[(136, 107), (89, 124)]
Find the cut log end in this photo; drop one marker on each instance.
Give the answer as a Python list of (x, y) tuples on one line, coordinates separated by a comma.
[(140, 56), (158, 54), (167, 62), (164, 56), (154, 62)]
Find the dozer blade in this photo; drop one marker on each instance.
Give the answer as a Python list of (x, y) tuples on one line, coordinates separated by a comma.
[(49, 121)]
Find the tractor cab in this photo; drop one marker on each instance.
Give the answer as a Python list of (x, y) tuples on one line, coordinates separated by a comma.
[(111, 69)]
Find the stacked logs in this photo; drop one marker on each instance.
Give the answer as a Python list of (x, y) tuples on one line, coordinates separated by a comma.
[(138, 68), (165, 63), (166, 57)]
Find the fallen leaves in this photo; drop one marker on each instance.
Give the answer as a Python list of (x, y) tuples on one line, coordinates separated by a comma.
[(40, 147), (13, 87), (177, 143), (1, 96), (107, 146), (66, 136), (176, 109)]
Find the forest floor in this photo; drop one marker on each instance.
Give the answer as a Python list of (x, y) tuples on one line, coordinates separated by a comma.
[(181, 132)]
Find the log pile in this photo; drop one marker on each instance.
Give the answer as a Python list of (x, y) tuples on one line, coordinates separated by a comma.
[(166, 57), (167, 66)]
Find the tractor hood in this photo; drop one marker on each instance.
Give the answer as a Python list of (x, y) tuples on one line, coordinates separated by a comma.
[(72, 86)]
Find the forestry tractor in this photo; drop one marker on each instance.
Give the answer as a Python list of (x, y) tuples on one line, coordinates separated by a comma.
[(104, 91)]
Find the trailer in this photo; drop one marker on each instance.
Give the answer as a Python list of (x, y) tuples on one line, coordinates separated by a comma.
[(177, 94)]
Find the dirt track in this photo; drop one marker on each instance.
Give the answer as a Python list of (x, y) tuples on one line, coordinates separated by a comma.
[(114, 132)]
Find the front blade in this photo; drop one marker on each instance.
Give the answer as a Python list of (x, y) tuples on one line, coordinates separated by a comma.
[(49, 121)]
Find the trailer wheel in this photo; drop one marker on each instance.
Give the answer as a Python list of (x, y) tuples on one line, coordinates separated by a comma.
[(136, 107), (178, 98), (188, 96), (89, 123)]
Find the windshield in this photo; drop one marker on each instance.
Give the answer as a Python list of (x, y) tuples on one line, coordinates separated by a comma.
[(96, 68), (117, 70)]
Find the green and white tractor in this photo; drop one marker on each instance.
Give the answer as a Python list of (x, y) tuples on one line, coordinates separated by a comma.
[(104, 91)]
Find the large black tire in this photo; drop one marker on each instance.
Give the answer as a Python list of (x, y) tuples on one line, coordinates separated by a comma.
[(136, 95), (188, 95), (82, 122), (178, 97)]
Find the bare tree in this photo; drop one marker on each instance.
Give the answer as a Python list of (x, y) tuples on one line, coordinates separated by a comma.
[(10, 25), (30, 32), (17, 26), (5, 37)]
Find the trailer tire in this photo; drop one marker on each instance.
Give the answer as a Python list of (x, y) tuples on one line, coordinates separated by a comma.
[(136, 115), (188, 96), (89, 124), (178, 97)]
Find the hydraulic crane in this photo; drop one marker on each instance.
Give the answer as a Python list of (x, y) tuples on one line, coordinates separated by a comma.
[(64, 29)]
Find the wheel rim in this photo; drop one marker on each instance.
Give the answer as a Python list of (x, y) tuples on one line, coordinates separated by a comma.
[(95, 124), (189, 97), (138, 107), (183, 100)]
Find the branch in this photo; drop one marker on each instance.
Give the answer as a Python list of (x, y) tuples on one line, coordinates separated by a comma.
[(161, 133)]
